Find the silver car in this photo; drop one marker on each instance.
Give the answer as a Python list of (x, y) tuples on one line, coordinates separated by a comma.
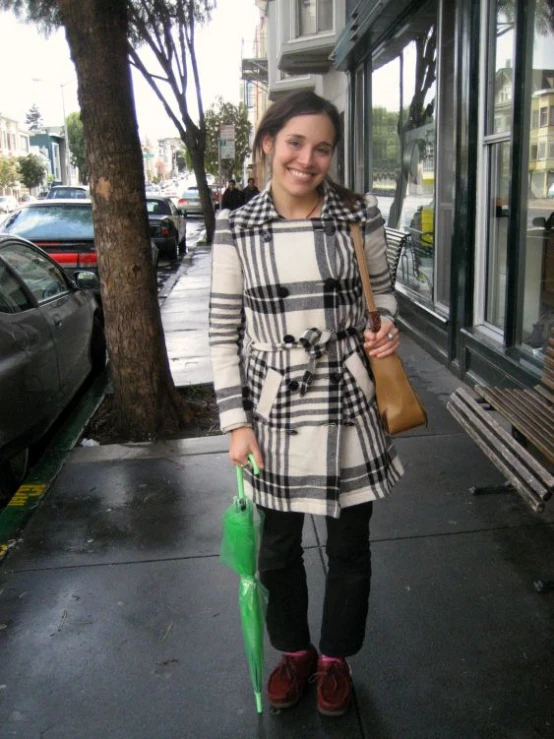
[(51, 339)]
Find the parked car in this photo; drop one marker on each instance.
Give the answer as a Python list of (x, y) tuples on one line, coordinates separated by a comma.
[(189, 202), (168, 225), (64, 229), (69, 192), (26, 199), (7, 203), (51, 339)]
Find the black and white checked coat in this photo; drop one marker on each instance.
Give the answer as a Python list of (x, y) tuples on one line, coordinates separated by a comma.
[(286, 319)]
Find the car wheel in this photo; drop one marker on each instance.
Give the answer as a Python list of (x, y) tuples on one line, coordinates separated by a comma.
[(183, 245), (97, 347), (12, 474)]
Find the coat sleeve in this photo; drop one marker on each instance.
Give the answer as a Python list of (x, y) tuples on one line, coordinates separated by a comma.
[(375, 251), (226, 320)]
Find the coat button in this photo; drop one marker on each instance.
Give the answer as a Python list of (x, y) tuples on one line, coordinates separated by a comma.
[(330, 283), (283, 292), (288, 339), (329, 229), (266, 236), (336, 377), (294, 385)]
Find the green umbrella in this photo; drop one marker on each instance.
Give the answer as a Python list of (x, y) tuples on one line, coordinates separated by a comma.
[(239, 551)]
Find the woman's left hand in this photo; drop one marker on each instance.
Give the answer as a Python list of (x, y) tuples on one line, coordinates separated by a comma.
[(383, 343)]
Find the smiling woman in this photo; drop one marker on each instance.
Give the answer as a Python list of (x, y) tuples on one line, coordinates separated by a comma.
[(297, 393)]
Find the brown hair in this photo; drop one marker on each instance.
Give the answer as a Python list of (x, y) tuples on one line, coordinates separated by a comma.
[(302, 102)]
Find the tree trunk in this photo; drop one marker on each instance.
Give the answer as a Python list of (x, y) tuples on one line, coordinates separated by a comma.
[(146, 404), (197, 152)]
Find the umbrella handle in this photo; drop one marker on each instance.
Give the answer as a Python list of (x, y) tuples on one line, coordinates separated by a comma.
[(240, 476)]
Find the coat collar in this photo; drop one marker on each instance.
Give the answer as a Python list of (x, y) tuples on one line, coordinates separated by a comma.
[(261, 210)]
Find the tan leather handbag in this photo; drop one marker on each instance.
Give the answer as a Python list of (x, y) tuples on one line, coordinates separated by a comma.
[(398, 404)]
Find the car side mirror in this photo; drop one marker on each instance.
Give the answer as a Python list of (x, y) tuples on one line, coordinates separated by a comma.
[(539, 222), (86, 280)]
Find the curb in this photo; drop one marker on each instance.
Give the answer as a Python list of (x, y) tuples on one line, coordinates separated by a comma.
[(29, 495)]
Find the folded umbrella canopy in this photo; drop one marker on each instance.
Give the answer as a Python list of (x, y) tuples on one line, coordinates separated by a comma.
[(239, 551)]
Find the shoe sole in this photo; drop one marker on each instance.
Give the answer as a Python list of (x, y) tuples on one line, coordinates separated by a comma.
[(340, 712)]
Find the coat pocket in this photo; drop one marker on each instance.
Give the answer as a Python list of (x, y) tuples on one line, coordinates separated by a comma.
[(355, 365), (270, 389)]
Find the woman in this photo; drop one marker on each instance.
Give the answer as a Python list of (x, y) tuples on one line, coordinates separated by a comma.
[(287, 320)]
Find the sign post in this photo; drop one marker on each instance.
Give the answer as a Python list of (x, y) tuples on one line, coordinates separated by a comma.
[(225, 145)]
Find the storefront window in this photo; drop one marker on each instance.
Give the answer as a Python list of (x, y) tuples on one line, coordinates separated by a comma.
[(497, 161), (314, 16), (404, 97), (538, 293)]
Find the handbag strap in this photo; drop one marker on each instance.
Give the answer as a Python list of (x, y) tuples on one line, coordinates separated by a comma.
[(374, 315)]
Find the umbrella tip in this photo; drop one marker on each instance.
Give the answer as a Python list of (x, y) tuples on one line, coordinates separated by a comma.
[(259, 702)]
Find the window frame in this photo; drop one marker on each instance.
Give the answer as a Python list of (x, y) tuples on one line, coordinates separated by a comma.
[(296, 21)]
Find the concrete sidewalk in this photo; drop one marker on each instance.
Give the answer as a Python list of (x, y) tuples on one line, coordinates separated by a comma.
[(118, 621)]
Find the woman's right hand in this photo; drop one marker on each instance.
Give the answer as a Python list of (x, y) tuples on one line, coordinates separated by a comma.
[(242, 443)]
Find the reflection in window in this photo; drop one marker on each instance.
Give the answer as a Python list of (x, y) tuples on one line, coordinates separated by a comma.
[(501, 108), (497, 158), (498, 212), (314, 16), (404, 92), (43, 278), (12, 296), (537, 304)]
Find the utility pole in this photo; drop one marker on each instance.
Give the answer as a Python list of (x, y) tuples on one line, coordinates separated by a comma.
[(66, 135)]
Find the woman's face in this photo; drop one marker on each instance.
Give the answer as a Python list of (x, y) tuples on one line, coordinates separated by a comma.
[(301, 154)]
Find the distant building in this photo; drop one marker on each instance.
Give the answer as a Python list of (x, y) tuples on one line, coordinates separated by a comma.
[(14, 142)]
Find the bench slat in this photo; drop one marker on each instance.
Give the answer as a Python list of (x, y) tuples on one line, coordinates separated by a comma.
[(534, 483), (526, 412)]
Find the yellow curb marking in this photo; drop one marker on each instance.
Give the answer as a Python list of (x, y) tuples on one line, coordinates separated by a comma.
[(24, 493)]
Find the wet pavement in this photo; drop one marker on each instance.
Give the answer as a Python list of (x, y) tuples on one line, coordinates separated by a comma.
[(118, 620)]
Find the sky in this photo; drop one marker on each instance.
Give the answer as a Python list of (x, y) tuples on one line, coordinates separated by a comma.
[(39, 67)]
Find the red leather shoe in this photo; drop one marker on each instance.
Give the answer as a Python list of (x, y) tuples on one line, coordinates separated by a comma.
[(287, 683), (334, 687)]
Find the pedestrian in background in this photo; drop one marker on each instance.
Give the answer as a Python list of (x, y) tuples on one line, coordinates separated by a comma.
[(250, 191), (232, 197), (297, 392)]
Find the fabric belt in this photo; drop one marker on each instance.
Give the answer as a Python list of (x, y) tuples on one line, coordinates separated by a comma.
[(314, 342)]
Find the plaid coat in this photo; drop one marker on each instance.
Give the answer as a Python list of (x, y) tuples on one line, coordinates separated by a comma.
[(287, 315)]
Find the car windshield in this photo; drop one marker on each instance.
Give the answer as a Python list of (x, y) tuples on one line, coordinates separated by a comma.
[(56, 222)]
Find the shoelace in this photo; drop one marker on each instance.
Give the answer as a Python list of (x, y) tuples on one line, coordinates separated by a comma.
[(330, 676)]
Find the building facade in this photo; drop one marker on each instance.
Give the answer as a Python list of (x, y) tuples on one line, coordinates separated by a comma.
[(448, 109), (14, 143)]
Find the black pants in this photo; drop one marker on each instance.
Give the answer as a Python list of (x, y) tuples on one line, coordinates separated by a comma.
[(281, 568)]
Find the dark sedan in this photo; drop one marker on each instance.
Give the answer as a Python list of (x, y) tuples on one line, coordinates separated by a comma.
[(64, 229), (168, 225), (51, 339)]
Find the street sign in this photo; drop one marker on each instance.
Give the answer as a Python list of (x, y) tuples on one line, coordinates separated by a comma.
[(227, 149), (227, 132)]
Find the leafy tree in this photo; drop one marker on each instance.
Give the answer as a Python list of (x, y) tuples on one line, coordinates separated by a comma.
[(146, 404), (221, 113), (77, 144), (31, 170), (9, 173), (168, 27), (33, 119)]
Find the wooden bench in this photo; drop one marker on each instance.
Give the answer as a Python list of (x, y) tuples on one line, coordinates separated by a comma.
[(397, 241), (530, 413)]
